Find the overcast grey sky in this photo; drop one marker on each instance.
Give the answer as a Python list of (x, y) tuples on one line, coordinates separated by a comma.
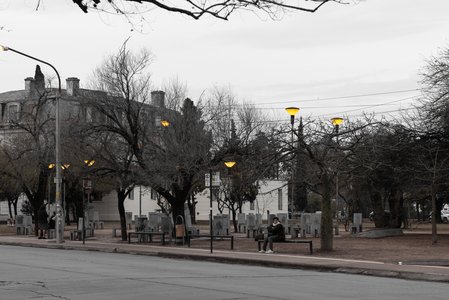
[(376, 46)]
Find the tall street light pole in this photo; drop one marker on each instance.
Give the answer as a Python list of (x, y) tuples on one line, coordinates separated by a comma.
[(58, 180), (337, 122), (210, 211), (229, 164), (292, 111)]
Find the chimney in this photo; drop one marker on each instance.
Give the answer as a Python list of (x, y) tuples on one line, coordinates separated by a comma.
[(72, 86), (29, 85), (39, 79), (158, 99)]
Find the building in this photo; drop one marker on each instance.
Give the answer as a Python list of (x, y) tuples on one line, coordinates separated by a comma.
[(272, 197), (75, 105)]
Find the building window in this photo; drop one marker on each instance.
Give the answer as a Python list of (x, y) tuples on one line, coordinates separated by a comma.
[(215, 194), (157, 120), (279, 199), (251, 205), (2, 111), (131, 195), (153, 194), (89, 115), (13, 113)]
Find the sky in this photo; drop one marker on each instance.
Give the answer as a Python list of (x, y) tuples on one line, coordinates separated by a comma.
[(341, 61)]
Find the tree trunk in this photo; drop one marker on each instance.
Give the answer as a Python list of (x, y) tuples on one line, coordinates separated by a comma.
[(178, 214), (10, 209), (396, 208), (380, 220), (326, 215), (434, 214), (36, 221), (234, 221), (121, 197)]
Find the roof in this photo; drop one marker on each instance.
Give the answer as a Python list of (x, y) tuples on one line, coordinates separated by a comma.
[(13, 96)]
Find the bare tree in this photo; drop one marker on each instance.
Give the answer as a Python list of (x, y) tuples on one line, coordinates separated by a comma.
[(115, 164), (179, 163), (431, 127), (324, 158), (240, 133), (197, 9), (29, 147), (174, 158), (119, 122), (382, 163), (10, 188)]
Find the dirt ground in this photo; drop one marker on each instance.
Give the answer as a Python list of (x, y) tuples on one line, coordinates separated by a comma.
[(414, 246)]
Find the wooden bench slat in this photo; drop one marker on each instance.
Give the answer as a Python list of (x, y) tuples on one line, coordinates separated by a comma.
[(290, 242), (149, 234)]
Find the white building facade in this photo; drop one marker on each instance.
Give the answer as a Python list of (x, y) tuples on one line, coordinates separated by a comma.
[(272, 197)]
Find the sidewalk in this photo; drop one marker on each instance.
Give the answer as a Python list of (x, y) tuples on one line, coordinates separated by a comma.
[(310, 262)]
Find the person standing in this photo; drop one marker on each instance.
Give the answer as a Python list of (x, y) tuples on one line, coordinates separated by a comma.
[(42, 219), (276, 233), (52, 221)]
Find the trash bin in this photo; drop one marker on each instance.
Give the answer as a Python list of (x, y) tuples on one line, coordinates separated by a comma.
[(180, 230)]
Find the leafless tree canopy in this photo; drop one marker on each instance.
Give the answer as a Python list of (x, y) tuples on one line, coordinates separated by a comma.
[(196, 9)]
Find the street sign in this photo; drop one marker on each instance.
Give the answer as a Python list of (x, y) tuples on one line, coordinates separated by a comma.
[(87, 184), (215, 179)]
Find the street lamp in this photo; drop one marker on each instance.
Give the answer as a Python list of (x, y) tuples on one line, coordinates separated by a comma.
[(58, 180), (89, 162), (229, 164), (337, 121), (87, 187), (292, 111), (165, 123)]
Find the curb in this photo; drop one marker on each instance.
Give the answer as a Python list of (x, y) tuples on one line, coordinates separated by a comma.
[(407, 275)]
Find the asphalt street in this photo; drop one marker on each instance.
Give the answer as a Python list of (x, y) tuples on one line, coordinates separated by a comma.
[(40, 273)]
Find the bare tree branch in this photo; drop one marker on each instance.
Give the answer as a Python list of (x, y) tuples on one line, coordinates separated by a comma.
[(196, 9)]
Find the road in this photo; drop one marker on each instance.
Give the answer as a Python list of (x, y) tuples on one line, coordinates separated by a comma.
[(39, 273)]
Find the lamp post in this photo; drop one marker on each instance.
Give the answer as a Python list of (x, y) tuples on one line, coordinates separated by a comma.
[(58, 180), (337, 121), (209, 183), (211, 227), (64, 166), (229, 164), (292, 111)]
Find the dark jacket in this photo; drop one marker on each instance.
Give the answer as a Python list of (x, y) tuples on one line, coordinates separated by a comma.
[(278, 230), (42, 218)]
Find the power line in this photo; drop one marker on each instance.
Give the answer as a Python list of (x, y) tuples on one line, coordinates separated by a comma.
[(353, 105), (373, 105), (343, 97), (359, 107), (317, 100), (322, 116)]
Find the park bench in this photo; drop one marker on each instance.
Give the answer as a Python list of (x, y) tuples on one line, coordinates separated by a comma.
[(215, 237), (146, 237), (259, 243)]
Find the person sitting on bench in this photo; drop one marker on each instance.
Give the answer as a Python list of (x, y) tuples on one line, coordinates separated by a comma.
[(275, 234)]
